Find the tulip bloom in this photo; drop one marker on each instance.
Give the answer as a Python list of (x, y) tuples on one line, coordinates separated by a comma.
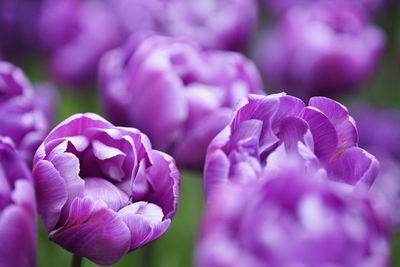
[(75, 34), (25, 113), (265, 129), (324, 48), (17, 209), (292, 219), (176, 93), (102, 190), (215, 24)]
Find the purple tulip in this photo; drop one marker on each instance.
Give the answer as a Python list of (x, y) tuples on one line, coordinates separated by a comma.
[(279, 6), (321, 48), (102, 190), (379, 131), (266, 129), (17, 209), (292, 219), (176, 93), (216, 24), (25, 112), (75, 34), (18, 21)]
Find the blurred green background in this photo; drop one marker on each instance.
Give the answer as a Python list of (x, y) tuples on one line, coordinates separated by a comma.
[(175, 248)]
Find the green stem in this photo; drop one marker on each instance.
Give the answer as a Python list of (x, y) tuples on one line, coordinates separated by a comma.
[(147, 255), (76, 261)]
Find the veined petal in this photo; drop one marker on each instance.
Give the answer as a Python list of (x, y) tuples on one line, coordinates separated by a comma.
[(340, 119), (51, 192), (101, 189), (355, 166), (324, 133), (145, 222), (94, 231)]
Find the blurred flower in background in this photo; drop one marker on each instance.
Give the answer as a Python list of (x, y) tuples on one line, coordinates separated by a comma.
[(266, 129), (26, 113), (18, 20), (215, 24), (320, 48), (379, 131), (17, 209), (178, 94), (278, 6), (102, 190), (76, 33), (290, 218)]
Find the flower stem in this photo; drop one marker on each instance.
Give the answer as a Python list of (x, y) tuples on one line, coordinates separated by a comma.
[(147, 255), (76, 261)]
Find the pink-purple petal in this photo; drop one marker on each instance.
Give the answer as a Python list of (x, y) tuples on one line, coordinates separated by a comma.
[(94, 231), (51, 192)]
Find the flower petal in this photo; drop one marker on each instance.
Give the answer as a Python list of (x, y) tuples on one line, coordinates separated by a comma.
[(355, 166), (93, 231), (18, 237), (51, 192), (101, 189), (340, 119), (191, 150), (216, 171), (145, 222), (164, 179), (324, 133)]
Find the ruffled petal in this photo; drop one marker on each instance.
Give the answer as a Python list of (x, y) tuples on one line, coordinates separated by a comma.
[(101, 189), (324, 133), (76, 125), (292, 130), (216, 172), (263, 109), (93, 231), (145, 222), (164, 179), (340, 119), (355, 166)]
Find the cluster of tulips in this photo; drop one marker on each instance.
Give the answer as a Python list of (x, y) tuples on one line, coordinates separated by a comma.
[(289, 180)]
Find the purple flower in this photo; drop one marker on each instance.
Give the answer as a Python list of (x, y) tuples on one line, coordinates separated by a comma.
[(292, 219), (266, 129), (321, 48), (18, 21), (279, 6), (216, 24), (176, 93), (379, 131), (25, 113), (102, 190), (75, 34), (17, 209)]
